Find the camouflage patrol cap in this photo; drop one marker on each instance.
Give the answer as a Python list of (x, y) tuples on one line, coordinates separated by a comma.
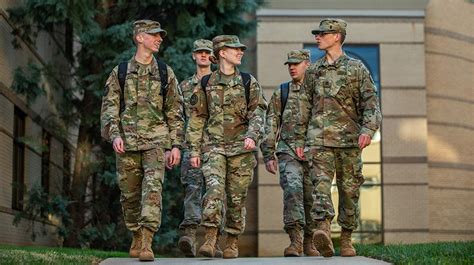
[(297, 56), (331, 25), (202, 45), (231, 41), (148, 26)]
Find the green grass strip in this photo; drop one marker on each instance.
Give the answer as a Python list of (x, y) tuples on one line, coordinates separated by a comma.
[(49, 255), (430, 253)]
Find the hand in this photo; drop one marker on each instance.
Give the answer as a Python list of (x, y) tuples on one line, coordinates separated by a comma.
[(118, 145), (300, 152), (249, 144), (271, 166), (364, 140), (195, 161), (167, 159), (175, 157)]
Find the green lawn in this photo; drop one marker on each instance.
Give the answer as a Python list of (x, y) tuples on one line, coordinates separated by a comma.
[(432, 253), (46, 255)]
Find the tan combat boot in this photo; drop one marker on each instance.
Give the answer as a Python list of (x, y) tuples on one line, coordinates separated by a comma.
[(347, 250), (322, 238), (187, 242), (308, 247), (295, 249), (136, 244), (146, 253), (208, 249), (231, 250), (218, 253)]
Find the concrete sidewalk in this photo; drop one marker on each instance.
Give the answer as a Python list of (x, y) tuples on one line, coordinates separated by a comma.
[(250, 261)]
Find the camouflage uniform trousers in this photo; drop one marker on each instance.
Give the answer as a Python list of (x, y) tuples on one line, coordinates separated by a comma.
[(297, 192), (193, 183), (140, 177), (230, 177), (346, 165)]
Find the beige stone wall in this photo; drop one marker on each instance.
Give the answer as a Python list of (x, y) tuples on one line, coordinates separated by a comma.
[(10, 59), (20, 235), (450, 99)]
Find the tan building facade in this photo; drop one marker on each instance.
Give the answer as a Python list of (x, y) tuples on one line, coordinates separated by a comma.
[(449, 61), (419, 170), (31, 154)]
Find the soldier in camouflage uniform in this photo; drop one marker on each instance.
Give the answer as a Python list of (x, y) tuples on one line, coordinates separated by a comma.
[(192, 178), (225, 128), (279, 143), (145, 135), (342, 116)]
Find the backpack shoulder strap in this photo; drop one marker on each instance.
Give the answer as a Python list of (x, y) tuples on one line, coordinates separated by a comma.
[(204, 81), (122, 75), (284, 89), (163, 70), (246, 82)]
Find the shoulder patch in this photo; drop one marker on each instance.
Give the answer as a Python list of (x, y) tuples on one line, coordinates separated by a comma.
[(193, 100)]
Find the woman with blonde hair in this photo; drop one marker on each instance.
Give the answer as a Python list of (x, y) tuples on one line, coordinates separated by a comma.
[(226, 124)]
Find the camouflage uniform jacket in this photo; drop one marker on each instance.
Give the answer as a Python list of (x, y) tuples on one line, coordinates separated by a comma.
[(342, 103), (280, 132), (143, 124), (221, 119), (187, 88)]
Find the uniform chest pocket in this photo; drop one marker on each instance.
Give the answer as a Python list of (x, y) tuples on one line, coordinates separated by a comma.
[(237, 101), (343, 90), (215, 96), (154, 96), (336, 87)]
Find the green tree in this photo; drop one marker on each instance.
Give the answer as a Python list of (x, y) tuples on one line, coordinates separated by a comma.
[(95, 36)]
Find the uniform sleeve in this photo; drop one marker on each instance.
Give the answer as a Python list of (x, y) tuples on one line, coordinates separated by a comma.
[(305, 107), (174, 111), (198, 117), (109, 115), (272, 125), (369, 105), (256, 112)]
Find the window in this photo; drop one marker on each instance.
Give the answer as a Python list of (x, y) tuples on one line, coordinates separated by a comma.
[(45, 158), (18, 159), (370, 200)]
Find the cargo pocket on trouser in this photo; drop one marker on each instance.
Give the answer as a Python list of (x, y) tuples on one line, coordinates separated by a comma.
[(322, 170), (152, 187), (214, 169), (349, 189), (291, 181), (239, 177), (129, 180)]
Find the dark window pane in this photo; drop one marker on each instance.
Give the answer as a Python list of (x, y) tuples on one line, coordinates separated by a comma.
[(18, 159), (45, 159)]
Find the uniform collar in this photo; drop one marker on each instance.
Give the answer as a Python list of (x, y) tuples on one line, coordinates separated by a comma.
[(134, 66), (342, 59), (294, 86), (194, 80), (220, 79)]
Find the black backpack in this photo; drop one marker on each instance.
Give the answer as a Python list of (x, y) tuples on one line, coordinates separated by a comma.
[(122, 74), (245, 80), (284, 89)]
